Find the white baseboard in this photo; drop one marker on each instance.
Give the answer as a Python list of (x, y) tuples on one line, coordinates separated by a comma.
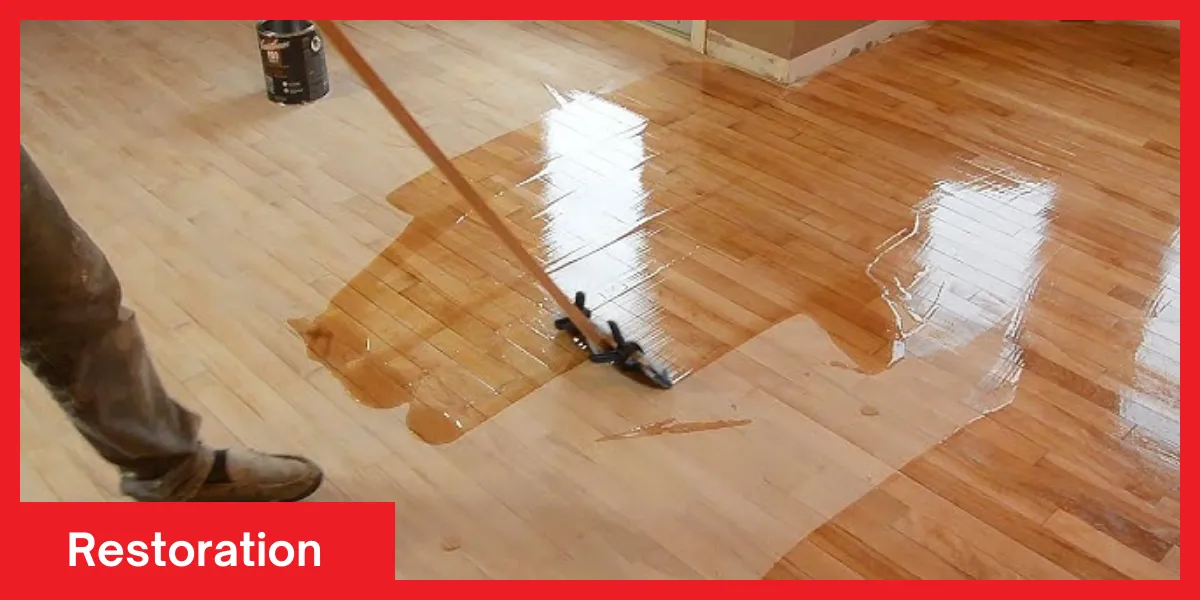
[(746, 57), (1167, 24), (1163, 24), (782, 70)]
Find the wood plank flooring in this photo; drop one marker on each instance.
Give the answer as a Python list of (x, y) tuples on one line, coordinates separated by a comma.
[(924, 308)]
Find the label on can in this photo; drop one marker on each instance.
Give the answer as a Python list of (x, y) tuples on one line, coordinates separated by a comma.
[(294, 68)]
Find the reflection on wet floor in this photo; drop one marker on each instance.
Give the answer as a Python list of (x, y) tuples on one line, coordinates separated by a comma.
[(1150, 393), (700, 206), (969, 263)]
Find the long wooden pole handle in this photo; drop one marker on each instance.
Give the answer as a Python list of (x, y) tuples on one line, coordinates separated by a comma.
[(338, 38)]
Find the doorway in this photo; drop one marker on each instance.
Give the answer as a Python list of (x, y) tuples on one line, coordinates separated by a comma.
[(680, 28), (693, 33)]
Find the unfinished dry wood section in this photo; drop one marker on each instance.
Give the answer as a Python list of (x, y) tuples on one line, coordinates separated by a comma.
[(924, 308)]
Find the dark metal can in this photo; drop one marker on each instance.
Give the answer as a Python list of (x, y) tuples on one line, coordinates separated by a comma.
[(293, 59)]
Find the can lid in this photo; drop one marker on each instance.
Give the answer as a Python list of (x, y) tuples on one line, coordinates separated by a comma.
[(284, 29)]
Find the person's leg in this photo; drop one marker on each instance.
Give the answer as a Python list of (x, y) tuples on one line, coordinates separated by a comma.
[(89, 353)]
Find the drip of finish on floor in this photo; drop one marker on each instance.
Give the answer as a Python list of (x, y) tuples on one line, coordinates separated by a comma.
[(674, 427)]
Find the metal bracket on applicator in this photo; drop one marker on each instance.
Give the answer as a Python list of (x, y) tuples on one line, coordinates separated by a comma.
[(627, 356)]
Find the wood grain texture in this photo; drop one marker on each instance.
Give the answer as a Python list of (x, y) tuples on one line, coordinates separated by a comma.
[(940, 281), (1059, 483)]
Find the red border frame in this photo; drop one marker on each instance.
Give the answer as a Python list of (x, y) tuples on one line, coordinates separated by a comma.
[(358, 539)]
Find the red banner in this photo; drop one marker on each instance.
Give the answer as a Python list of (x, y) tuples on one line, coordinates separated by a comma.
[(286, 545)]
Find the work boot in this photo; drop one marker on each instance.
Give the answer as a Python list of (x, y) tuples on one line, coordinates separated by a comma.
[(250, 476)]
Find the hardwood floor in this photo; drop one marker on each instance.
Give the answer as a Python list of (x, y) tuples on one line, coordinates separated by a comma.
[(923, 309)]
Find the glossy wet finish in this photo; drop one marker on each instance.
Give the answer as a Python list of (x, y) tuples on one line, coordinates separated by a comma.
[(1074, 253), (591, 188), (926, 306), (445, 319)]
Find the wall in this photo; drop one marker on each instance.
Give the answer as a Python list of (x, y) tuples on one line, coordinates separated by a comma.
[(785, 39), (809, 35), (772, 37), (791, 51)]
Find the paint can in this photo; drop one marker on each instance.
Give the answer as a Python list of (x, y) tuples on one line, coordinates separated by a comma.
[(293, 60)]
